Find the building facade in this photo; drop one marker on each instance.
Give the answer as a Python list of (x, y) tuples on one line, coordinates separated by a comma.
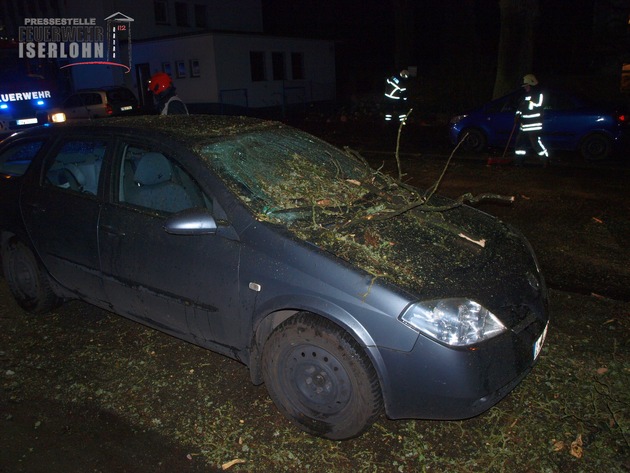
[(226, 72), (215, 50)]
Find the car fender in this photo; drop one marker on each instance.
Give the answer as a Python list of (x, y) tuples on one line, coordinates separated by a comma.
[(276, 310)]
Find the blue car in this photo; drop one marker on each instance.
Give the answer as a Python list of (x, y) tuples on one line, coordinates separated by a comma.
[(571, 123)]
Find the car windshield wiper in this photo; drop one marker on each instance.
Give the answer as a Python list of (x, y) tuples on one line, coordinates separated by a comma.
[(365, 202), (308, 212)]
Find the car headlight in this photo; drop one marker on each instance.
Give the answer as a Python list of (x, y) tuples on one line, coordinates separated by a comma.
[(456, 321), (59, 117), (457, 119)]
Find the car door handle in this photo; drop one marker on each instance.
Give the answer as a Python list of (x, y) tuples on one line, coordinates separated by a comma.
[(112, 230), (37, 207)]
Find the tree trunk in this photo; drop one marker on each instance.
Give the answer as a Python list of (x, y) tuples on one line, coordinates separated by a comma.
[(516, 43), (464, 79), (404, 33)]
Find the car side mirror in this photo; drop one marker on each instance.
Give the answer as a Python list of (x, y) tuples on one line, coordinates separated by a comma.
[(193, 221)]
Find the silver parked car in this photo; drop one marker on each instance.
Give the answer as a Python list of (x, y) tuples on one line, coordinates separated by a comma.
[(100, 103)]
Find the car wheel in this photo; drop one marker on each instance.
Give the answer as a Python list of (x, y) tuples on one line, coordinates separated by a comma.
[(320, 378), (595, 147), (474, 139), (27, 280)]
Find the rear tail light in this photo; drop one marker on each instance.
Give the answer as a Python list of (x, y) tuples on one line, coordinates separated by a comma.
[(109, 110), (622, 118)]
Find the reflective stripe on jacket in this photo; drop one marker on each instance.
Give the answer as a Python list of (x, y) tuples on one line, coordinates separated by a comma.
[(394, 89), (530, 111)]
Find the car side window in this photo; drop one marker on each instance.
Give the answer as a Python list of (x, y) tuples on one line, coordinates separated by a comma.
[(72, 102), (150, 179), (76, 166), (15, 160), (92, 99), (559, 101), (510, 104)]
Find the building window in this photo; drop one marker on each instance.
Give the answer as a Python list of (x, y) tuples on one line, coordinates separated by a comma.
[(201, 16), (180, 69), (257, 65), (297, 66), (277, 66), (195, 70), (160, 9), (181, 14)]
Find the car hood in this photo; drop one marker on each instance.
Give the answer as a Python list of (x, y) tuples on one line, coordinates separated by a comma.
[(459, 252)]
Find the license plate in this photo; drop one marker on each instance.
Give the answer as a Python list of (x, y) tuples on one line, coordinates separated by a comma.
[(26, 121), (539, 343), (125, 108)]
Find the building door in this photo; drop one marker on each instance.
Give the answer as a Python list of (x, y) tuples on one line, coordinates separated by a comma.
[(143, 74)]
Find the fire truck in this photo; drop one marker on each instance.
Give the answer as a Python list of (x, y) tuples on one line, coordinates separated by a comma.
[(28, 91)]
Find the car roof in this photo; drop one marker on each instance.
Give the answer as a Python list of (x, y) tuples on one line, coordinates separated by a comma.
[(183, 128), (101, 89)]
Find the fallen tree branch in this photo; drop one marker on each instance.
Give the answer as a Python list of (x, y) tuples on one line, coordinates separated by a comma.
[(461, 200), (400, 127)]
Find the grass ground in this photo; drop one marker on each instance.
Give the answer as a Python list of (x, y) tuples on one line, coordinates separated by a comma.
[(84, 390)]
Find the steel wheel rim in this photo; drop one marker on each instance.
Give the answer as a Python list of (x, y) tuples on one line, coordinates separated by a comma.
[(318, 379), (26, 280)]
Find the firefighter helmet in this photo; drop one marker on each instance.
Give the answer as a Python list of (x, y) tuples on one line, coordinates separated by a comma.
[(159, 82), (530, 79), (404, 73)]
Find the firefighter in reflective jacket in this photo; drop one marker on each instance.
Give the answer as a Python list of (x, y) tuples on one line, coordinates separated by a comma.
[(529, 116), (396, 95)]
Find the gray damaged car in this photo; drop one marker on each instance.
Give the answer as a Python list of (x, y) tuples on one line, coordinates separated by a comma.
[(345, 291)]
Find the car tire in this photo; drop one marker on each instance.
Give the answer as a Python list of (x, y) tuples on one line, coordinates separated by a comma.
[(28, 281), (595, 147), (474, 139), (320, 378)]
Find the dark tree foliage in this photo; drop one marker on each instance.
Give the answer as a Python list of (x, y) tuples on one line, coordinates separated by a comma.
[(465, 51)]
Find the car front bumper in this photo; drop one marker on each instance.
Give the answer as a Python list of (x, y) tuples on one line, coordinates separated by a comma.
[(434, 381)]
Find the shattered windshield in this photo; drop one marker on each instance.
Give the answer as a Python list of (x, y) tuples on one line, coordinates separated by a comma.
[(285, 174), (333, 199)]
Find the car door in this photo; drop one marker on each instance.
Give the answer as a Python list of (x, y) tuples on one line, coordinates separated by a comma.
[(561, 123), (73, 107), (94, 105), (500, 117), (61, 210), (186, 284)]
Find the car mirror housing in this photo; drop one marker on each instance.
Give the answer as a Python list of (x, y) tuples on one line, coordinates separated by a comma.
[(194, 221)]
